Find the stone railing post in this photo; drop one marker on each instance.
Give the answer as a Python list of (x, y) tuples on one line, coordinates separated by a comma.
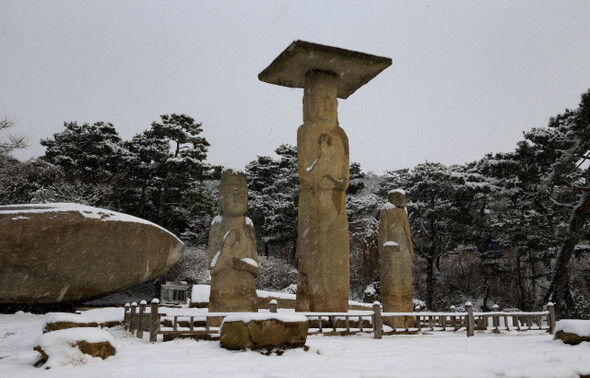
[(377, 321), (470, 321), (142, 306), (273, 306), (495, 318), (453, 318), (154, 320), (133, 319), (126, 317), (551, 317)]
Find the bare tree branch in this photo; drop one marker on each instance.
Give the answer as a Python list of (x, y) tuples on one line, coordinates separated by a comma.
[(10, 142)]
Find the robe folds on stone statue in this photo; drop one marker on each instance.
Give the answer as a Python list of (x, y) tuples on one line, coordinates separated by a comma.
[(233, 276), (323, 243), (233, 259)]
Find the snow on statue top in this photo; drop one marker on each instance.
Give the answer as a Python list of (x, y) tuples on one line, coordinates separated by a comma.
[(233, 259), (69, 252)]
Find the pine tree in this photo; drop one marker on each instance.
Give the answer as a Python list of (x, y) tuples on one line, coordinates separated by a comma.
[(523, 226), (273, 193), (569, 136), (444, 207), (9, 142), (29, 181), (168, 169), (91, 157), (363, 207), (545, 203), (147, 155)]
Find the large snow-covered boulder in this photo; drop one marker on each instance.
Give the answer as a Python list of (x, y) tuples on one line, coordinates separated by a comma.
[(263, 330), (77, 346), (572, 331), (53, 253)]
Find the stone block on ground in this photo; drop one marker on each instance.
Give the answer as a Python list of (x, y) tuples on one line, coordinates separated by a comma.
[(74, 346), (200, 296), (106, 317), (263, 330), (572, 331)]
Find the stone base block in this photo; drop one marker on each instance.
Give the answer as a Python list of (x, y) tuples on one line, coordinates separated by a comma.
[(258, 331)]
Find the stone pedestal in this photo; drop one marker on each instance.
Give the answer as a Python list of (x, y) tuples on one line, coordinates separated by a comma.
[(257, 331)]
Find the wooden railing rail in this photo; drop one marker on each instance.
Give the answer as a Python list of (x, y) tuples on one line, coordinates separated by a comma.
[(140, 319)]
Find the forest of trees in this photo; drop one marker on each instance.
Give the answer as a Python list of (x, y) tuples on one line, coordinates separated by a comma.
[(511, 228)]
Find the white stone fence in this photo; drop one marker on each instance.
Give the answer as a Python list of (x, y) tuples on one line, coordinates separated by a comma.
[(140, 319)]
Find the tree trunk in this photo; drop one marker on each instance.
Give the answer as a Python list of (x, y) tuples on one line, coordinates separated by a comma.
[(560, 277), (486, 296), (533, 297), (430, 283), (163, 193), (519, 283), (142, 199)]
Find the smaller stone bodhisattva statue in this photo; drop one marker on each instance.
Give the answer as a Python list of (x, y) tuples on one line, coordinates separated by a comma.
[(233, 260), (395, 256)]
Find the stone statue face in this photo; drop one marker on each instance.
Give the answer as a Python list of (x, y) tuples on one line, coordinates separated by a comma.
[(320, 101), (325, 103), (398, 199), (233, 198)]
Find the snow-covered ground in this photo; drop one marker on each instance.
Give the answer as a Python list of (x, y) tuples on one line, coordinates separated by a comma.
[(438, 354)]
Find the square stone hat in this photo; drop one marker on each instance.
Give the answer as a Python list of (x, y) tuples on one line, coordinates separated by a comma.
[(353, 68)]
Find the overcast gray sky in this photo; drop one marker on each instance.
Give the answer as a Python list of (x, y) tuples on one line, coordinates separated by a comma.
[(467, 76)]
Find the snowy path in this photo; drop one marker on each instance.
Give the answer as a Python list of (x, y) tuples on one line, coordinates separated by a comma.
[(442, 354)]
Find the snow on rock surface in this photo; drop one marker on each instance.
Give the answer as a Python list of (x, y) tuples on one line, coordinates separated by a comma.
[(215, 258), (234, 170), (398, 190), (100, 316), (389, 206), (250, 261), (248, 316), (200, 293), (579, 327), (89, 334), (71, 346), (86, 211)]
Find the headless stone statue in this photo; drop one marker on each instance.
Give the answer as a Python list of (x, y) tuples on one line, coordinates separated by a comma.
[(233, 260), (323, 167), (395, 256)]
